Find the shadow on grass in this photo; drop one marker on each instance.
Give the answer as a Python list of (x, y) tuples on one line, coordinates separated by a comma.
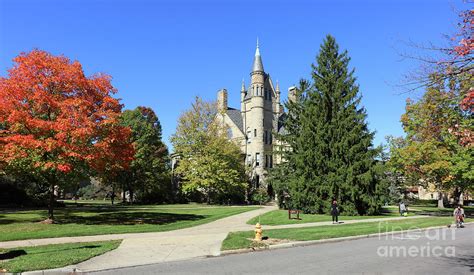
[(99, 216), (17, 253), (11, 254), (128, 218), (4, 220)]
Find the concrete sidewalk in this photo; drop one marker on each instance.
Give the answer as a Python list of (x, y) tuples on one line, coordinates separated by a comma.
[(157, 247), (225, 225), (187, 243), (311, 224), (199, 241), (232, 223)]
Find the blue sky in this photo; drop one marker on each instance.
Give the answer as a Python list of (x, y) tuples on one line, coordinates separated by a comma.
[(163, 53)]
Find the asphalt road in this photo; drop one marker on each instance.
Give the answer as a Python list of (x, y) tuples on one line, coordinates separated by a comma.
[(438, 251)]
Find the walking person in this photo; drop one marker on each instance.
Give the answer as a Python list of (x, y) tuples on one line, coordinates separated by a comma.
[(334, 212), (402, 209), (459, 216)]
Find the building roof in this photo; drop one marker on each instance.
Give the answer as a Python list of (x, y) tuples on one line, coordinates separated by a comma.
[(236, 117), (257, 61), (281, 121)]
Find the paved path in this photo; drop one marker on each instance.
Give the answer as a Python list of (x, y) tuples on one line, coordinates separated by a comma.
[(158, 247), (229, 224), (406, 253), (237, 222), (311, 224), (192, 242)]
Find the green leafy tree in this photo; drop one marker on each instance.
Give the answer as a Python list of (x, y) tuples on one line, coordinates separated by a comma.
[(149, 174), (210, 164), (437, 149), (330, 153)]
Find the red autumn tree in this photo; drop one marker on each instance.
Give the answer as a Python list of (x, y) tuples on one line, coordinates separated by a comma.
[(57, 124), (463, 54)]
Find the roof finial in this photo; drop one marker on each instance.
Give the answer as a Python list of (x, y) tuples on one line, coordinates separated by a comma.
[(278, 86), (257, 61), (257, 51), (243, 86)]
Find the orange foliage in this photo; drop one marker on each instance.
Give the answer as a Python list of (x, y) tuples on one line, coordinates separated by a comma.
[(56, 117)]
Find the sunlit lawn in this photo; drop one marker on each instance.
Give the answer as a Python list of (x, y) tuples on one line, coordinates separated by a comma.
[(469, 210), (278, 217), (238, 240), (51, 256), (97, 219)]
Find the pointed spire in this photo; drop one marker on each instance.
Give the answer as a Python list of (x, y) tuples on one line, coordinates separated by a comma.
[(257, 61), (278, 86), (243, 86)]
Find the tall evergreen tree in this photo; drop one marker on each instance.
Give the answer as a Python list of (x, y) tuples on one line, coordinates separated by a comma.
[(331, 155)]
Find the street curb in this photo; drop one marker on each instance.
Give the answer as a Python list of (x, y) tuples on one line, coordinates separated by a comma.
[(323, 241)]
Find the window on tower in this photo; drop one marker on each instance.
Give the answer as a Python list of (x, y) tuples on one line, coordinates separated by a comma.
[(257, 159), (255, 132)]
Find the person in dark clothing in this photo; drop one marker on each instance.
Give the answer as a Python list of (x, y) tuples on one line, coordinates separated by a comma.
[(334, 212)]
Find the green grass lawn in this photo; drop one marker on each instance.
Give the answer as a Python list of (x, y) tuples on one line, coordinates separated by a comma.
[(98, 219), (469, 210), (51, 256), (278, 217), (237, 240)]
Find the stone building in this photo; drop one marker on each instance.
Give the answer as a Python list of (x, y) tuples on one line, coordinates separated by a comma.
[(253, 127)]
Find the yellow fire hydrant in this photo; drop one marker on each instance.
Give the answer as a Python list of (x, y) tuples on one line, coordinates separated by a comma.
[(258, 232)]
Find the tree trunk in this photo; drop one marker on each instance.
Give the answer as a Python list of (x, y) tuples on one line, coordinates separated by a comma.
[(440, 200), (112, 196), (123, 194), (130, 191), (51, 203), (208, 196), (143, 193)]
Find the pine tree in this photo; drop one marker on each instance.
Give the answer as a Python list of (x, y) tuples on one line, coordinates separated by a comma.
[(331, 155)]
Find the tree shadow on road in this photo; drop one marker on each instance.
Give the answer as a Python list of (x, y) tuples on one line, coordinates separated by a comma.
[(463, 260)]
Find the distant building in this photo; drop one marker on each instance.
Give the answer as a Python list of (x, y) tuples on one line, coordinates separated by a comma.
[(429, 193)]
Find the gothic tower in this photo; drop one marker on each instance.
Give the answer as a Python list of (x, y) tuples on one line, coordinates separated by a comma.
[(260, 109)]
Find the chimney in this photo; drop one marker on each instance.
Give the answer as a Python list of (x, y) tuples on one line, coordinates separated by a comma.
[(222, 100), (292, 94)]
